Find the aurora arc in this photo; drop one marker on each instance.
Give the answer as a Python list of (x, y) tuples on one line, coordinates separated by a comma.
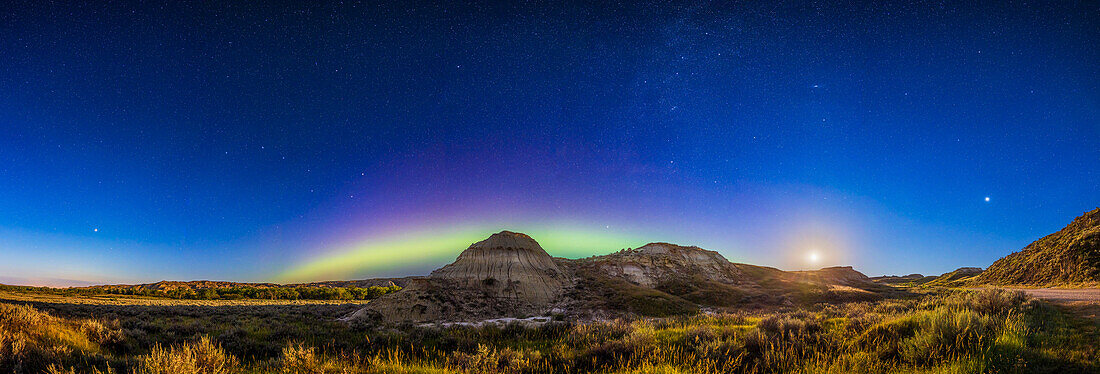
[(415, 249)]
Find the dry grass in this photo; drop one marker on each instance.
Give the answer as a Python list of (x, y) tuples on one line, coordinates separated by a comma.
[(962, 332), (33, 339), (199, 357)]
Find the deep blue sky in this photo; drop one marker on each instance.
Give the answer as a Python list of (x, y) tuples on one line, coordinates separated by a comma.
[(223, 140)]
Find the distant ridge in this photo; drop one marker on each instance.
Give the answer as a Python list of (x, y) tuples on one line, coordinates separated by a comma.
[(1069, 257), (914, 279), (955, 278), (844, 275)]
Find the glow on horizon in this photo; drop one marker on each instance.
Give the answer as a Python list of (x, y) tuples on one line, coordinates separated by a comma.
[(431, 247)]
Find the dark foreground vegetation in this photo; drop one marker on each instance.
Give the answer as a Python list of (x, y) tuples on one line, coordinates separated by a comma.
[(958, 332), (226, 293)]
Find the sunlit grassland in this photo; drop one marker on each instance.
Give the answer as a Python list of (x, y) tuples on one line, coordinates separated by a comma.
[(956, 332)]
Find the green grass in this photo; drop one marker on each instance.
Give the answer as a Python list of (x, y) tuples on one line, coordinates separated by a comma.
[(953, 332)]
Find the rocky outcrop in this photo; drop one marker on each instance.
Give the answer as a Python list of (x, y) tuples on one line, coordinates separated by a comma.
[(506, 275), (654, 263), (664, 276), (507, 265)]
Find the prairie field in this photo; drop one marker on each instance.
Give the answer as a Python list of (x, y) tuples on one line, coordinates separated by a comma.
[(942, 331)]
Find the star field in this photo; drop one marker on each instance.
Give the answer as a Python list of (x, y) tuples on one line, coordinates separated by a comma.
[(197, 140)]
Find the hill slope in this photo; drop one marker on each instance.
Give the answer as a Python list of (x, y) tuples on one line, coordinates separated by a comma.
[(843, 275), (1070, 256), (954, 278)]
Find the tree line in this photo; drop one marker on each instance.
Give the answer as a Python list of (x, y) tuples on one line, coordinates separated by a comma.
[(226, 293)]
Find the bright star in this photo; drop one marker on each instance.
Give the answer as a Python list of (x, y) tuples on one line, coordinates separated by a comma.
[(813, 257), (987, 198)]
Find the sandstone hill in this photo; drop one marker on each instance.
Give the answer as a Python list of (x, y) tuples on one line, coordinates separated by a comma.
[(507, 265), (657, 263), (1068, 257), (510, 275), (664, 279)]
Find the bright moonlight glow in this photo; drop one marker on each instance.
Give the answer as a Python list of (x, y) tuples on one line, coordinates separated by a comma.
[(987, 198)]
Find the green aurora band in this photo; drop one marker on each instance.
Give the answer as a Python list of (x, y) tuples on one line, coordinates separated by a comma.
[(415, 249)]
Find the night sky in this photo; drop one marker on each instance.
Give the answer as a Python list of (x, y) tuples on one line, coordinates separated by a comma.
[(261, 142)]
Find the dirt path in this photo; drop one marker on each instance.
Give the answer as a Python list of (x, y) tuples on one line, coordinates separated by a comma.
[(1084, 302), (1063, 295)]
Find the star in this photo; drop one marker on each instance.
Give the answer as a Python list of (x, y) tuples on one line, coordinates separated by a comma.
[(95, 230), (987, 199)]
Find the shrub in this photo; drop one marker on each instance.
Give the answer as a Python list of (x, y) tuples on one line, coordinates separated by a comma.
[(789, 325), (198, 357), (699, 335), (948, 333), (300, 359), (487, 360)]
